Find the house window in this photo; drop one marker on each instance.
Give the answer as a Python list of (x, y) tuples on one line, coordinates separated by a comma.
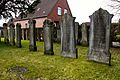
[(59, 11), (65, 11)]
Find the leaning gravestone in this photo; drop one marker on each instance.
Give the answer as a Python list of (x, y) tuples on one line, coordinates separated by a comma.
[(18, 35), (84, 39), (100, 37), (68, 42), (12, 34), (32, 46), (48, 37), (5, 33)]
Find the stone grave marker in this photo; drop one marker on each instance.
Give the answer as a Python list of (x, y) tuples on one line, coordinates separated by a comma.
[(12, 34), (5, 33), (18, 35), (100, 37), (84, 39), (68, 42), (32, 46), (48, 37)]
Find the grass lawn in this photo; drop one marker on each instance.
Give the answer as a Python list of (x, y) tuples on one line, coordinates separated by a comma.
[(20, 64)]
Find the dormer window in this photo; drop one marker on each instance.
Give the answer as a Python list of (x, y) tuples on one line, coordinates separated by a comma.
[(65, 11), (59, 11)]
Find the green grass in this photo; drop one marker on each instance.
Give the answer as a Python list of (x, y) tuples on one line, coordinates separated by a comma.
[(43, 67)]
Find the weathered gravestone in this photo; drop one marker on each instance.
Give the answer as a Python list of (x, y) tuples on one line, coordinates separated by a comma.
[(76, 31), (12, 34), (84, 39), (23, 34), (58, 32), (0, 35), (18, 35), (68, 42), (100, 37), (32, 46), (48, 37), (5, 33)]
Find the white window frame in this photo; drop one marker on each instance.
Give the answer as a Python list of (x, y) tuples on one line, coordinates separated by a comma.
[(59, 11), (65, 11)]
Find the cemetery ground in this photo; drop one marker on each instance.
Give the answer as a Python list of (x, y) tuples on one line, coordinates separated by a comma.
[(21, 64)]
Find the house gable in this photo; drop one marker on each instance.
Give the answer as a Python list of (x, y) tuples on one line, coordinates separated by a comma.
[(63, 4), (47, 9)]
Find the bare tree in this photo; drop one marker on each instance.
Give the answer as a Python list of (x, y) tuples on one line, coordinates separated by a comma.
[(115, 5), (7, 7)]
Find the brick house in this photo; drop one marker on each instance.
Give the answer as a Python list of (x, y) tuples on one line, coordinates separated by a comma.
[(46, 9)]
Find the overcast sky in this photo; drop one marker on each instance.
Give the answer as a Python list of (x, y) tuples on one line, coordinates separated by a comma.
[(82, 9)]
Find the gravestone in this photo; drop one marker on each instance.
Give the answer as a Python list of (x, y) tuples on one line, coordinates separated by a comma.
[(18, 35), (84, 39), (119, 26), (0, 35), (100, 37), (58, 35), (76, 31), (68, 42), (48, 37), (32, 46), (12, 34), (58, 32), (5, 33)]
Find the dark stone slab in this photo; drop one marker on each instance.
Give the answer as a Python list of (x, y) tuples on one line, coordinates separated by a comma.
[(18, 35), (48, 37), (76, 31), (12, 34), (32, 46)]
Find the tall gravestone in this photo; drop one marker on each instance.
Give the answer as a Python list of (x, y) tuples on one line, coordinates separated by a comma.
[(32, 46), (84, 39), (58, 32), (68, 42), (5, 33), (18, 35), (100, 37), (76, 31), (12, 34), (48, 37), (0, 35), (119, 26)]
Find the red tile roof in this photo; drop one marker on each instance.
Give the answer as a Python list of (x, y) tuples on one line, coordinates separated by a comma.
[(42, 9)]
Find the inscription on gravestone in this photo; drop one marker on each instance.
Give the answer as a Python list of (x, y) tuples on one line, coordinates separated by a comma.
[(68, 41), (100, 37)]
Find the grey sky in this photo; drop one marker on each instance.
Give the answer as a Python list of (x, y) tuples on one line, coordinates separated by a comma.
[(82, 9)]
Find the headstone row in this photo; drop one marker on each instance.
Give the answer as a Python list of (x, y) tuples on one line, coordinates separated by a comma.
[(11, 34), (99, 36)]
